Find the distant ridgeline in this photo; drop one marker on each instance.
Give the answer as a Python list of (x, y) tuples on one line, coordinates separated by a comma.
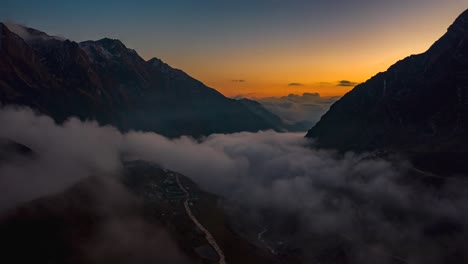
[(105, 81), (419, 104)]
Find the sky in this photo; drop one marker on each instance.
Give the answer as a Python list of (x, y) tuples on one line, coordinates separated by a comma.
[(255, 48)]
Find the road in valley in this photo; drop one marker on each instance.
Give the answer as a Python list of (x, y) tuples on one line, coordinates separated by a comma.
[(208, 236)]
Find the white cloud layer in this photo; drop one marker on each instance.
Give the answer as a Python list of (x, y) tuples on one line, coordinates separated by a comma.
[(306, 108), (369, 200)]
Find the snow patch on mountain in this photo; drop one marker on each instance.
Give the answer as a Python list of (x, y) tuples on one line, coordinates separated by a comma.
[(94, 50)]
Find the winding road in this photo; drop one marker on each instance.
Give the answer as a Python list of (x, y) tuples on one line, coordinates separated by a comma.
[(208, 236)]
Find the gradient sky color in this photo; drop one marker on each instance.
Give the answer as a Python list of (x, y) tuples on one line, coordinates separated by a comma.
[(254, 47)]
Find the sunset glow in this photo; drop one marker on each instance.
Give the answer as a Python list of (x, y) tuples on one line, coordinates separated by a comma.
[(259, 49)]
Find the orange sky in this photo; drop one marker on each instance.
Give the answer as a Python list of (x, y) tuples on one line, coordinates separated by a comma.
[(268, 65), (318, 69), (267, 43)]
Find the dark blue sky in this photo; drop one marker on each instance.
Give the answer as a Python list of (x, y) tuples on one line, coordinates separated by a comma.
[(268, 42)]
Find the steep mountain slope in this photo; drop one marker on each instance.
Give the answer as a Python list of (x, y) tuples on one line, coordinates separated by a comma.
[(106, 81), (418, 104)]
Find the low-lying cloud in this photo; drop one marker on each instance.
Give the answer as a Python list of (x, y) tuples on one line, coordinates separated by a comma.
[(346, 83), (23, 32), (295, 84), (369, 203), (65, 154), (123, 234), (304, 110), (62, 156)]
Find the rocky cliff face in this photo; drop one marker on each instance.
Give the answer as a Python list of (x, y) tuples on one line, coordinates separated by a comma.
[(106, 81), (419, 104)]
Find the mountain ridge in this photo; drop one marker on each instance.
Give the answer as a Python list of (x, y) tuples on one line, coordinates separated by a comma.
[(419, 104), (104, 80)]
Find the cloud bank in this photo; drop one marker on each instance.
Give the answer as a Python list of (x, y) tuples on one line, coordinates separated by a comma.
[(372, 205), (304, 110), (65, 154), (61, 157)]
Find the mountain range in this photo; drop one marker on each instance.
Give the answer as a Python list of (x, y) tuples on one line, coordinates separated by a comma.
[(106, 81), (343, 209)]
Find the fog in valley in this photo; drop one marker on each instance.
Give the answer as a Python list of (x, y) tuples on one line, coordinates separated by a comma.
[(371, 202)]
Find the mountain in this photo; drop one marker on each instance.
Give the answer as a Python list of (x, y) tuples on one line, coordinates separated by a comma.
[(419, 104), (106, 81)]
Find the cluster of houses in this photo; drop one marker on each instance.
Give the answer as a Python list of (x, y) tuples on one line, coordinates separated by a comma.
[(172, 192)]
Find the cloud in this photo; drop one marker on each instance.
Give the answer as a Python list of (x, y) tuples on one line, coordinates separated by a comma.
[(242, 96), (346, 83), (239, 81), (271, 177), (132, 240), (295, 84), (305, 109), (62, 156), (123, 234), (277, 180), (23, 32), (76, 149)]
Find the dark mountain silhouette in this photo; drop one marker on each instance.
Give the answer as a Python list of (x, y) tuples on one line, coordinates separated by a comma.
[(106, 81), (419, 104)]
